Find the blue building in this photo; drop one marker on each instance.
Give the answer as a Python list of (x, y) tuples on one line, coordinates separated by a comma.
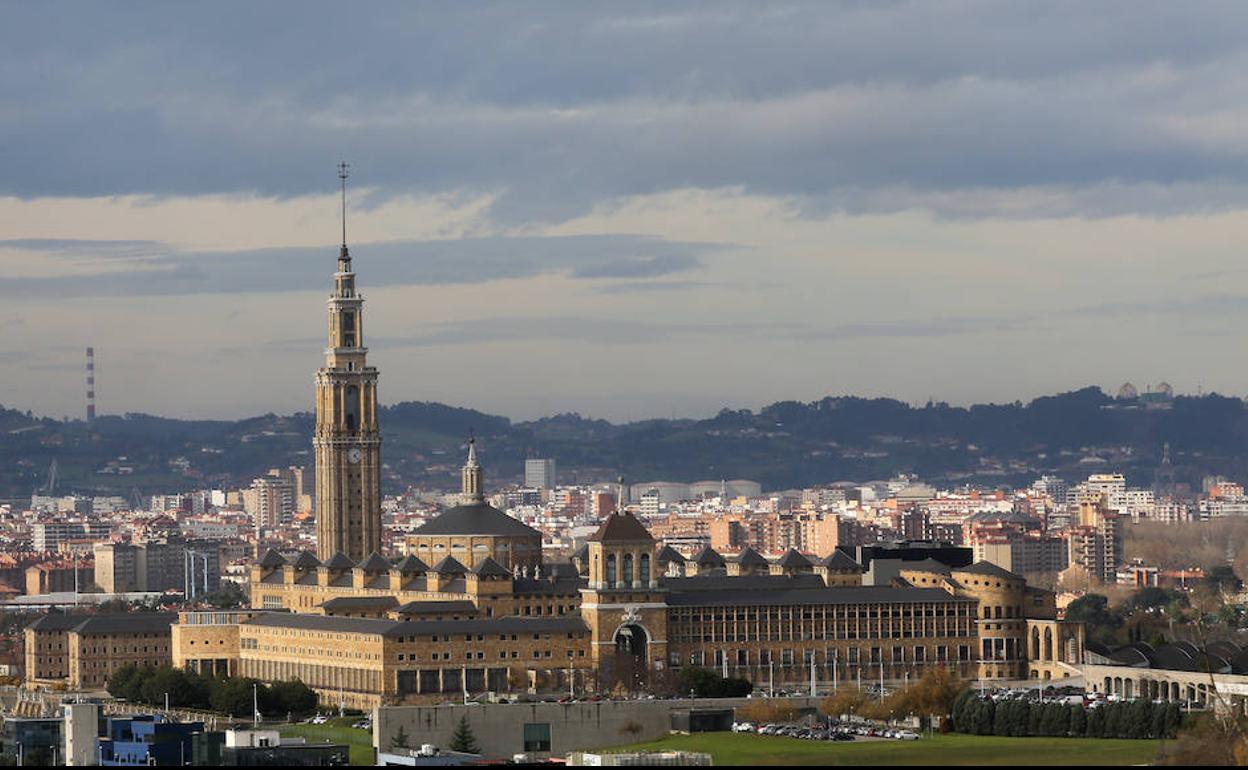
[(148, 740)]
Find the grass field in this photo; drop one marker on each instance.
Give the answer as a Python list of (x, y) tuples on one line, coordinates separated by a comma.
[(336, 731), (734, 749)]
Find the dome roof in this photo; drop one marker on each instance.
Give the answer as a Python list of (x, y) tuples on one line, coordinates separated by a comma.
[(476, 519)]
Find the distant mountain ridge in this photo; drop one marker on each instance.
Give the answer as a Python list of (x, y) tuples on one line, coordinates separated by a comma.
[(788, 444)]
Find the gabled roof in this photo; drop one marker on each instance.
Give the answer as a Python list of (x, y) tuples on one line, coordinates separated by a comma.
[(708, 557), (487, 567), (751, 558), (792, 559), (106, 623), (668, 554), (988, 569), (410, 565), (340, 603), (449, 566), (621, 527), (582, 553), (839, 560), (272, 560), (307, 561), (374, 563), (476, 519), (437, 608), (339, 561)]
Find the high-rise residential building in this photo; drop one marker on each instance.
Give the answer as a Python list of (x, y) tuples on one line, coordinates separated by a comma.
[(194, 567), (272, 498), (347, 440), (539, 473), (49, 535)]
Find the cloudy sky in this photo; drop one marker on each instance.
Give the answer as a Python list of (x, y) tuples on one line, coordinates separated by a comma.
[(623, 209)]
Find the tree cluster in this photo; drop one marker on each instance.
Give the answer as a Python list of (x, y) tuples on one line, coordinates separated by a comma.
[(932, 695), (1139, 718), (226, 695), (704, 683)]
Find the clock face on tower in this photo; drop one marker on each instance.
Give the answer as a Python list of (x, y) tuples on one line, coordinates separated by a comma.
[(354, 455)]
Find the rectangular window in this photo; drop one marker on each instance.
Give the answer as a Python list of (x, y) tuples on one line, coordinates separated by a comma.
[(537, 736)]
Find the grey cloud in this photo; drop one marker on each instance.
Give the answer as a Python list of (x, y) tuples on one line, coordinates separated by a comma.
[(879, 106), (394, 263), (584, 329), (617, 331)]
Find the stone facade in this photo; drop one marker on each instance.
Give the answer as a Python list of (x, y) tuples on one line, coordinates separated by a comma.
[(81, 652)]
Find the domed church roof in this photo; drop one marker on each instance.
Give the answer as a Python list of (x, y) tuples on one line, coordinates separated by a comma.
[(475, 516)]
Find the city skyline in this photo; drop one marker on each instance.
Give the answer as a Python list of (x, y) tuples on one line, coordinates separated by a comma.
[(613, 209)]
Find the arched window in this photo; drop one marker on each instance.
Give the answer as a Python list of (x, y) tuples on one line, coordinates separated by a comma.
[(645, 569), (610, 569), (352, 406), (628, 569)]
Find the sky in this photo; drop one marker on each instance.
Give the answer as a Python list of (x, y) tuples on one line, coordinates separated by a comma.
[(626, 210)]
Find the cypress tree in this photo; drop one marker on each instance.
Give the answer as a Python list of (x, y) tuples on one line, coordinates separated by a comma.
[(1077, 720), (463, 739)]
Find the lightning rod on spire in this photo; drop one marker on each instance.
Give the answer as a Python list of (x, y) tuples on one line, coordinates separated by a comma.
[(344, 170)]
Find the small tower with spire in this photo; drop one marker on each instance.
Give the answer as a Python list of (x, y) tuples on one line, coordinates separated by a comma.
[(473, 478)]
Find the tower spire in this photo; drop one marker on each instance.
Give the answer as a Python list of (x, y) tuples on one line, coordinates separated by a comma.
[(344, 170), (473, 478)]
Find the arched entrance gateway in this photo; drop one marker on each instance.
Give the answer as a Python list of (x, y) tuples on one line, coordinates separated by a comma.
[(632, 640), (631, 655)]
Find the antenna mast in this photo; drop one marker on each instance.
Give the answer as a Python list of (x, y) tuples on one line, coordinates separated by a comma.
[(344, 171)]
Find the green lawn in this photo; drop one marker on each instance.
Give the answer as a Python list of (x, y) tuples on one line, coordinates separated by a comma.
[(734, 749), (337, 731)]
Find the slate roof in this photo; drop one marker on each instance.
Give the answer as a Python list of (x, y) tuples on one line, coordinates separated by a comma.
[(487, 567), (792, 559), (306, 560), (374, 563), (449, 566), (988, 569), (272, 560), (621, 527), (668, 554), (476, 519), (359, 603), (751, 558), (411, 565), (107, 623), (432, 608), (392, 628), (839, 560), (560, 586), (708, 557), (339, 561), (728, 595)]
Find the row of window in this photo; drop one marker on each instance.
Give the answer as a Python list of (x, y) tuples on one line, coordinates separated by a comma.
[(851, 656)]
